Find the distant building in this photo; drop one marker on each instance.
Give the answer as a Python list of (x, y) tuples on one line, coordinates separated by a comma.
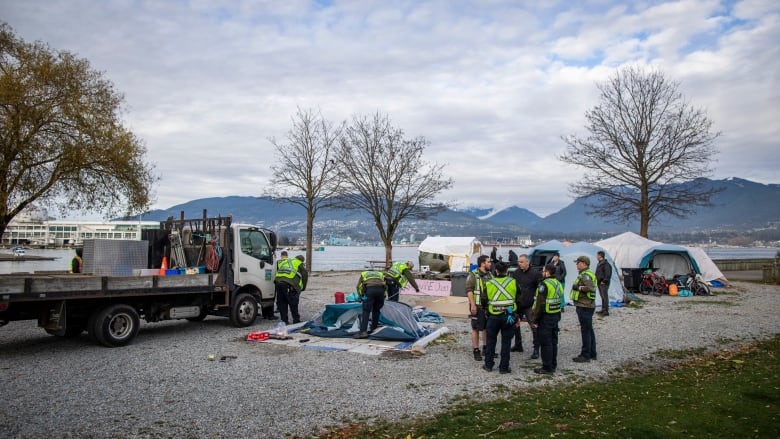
[(33, 228), (524, 240), (337, 241)]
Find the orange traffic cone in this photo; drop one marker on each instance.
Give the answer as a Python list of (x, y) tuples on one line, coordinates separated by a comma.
[(163, 266)]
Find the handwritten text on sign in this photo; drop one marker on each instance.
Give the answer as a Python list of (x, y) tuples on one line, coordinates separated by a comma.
[(429, 288)]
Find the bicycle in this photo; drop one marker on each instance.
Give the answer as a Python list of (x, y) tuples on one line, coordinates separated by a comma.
[(694, 283), (653, 283)]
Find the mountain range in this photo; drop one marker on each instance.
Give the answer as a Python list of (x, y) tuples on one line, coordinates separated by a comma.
[(740, 206)]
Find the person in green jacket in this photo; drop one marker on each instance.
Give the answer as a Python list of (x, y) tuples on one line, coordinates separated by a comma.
[(583, 294)]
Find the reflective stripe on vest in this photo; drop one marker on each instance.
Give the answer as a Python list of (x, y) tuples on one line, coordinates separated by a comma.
[(552, 304), (396, 271), (501, 294), (372, 275), (288, 269), (478, 287), (575, 294)]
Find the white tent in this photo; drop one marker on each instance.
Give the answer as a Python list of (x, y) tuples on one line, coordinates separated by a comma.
[(542, 253), (458, 251), (633, 251), (709, 271)]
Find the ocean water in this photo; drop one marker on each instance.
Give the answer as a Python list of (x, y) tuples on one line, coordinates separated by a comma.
[(344, 258)]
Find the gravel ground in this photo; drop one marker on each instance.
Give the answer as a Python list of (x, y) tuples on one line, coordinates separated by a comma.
[(162, 385)]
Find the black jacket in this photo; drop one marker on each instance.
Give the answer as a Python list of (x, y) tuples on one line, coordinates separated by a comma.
[(603, 272), (527, 282)]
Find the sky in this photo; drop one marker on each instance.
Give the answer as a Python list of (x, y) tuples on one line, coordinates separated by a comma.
[(493, 85)]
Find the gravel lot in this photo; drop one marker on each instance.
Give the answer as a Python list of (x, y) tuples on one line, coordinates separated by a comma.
[(162, 385)]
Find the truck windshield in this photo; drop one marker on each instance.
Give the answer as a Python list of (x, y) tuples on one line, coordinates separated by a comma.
[(255, 244)]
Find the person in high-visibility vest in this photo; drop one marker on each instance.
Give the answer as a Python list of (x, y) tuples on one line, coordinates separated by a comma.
[(545, 317), (291, 278), (501, 317), (583, 294), (371, 289), (475, 289), (398, 276)]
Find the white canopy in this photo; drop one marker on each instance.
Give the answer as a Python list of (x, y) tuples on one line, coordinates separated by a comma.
[(459, 251)]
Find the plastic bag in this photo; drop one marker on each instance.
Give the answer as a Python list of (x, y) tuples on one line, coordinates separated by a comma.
[(279, 329)]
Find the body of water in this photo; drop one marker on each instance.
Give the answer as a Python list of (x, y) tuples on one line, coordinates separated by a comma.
[(345, 258)]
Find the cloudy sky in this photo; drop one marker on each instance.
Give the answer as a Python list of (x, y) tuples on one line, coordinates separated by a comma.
[(493, 85)]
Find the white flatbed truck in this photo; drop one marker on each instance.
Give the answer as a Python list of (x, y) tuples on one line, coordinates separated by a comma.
[(109, 307)]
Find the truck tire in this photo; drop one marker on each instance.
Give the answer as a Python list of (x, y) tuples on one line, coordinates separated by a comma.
[(115, 325), (244, 311)]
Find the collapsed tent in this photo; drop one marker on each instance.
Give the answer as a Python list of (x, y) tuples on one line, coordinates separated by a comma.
[(397, 322), (449, 253), (542, 253), (633, 251)]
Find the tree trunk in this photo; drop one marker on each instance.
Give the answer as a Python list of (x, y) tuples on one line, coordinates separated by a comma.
[(388, 253), (644, 213), (309, 238)]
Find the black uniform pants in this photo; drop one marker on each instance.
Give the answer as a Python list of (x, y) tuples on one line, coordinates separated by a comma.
[(373, 301), (287, 297), (585, 316), (496, 325), (548, 339), (393, 290)]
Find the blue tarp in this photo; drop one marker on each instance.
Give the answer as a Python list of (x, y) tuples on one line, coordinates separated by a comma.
[(396, 319)]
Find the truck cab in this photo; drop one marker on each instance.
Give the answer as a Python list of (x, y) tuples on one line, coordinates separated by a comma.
[(254, 265)]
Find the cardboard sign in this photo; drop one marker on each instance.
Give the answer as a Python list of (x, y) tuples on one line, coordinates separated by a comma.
[(429, 288)]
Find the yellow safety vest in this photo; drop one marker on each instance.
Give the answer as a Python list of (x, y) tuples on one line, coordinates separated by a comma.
[(396, 271), (552, 303), (371, 276), (575, 293), (288, 269), (501, 293), (479, 285)]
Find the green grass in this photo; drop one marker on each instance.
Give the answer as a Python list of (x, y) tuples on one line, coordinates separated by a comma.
[(730, 393)]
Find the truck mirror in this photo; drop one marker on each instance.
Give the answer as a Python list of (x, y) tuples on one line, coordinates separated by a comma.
[(262, 264), (272, 240)]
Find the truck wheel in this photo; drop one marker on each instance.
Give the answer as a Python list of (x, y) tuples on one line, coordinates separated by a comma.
[(244, 311), (115, 325)]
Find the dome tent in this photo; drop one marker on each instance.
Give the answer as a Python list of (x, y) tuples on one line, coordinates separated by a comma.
[(542, 253), (633, 251)]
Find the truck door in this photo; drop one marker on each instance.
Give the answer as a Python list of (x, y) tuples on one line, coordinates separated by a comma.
[(255, 262)]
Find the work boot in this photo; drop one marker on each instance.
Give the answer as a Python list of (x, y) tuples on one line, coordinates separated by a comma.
[(517, 348), (477, 354), (361, 334), (603, 312), (535, 354)]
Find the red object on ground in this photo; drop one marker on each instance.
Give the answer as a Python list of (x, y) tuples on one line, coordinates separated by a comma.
[(339, 296)]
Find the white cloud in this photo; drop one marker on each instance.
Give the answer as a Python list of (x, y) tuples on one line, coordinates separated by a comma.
[(493, 85)]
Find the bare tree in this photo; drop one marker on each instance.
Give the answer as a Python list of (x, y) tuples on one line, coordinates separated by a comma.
[(646, 152), (61, 137), (385, 175), (305, 172)]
